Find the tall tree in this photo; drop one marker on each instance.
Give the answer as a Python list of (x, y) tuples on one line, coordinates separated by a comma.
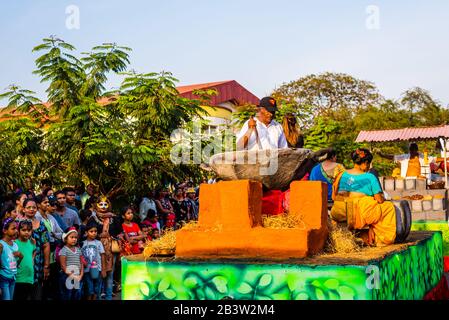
[(120, 142), (63, 71), (335, 95), (423, 109), (109, 57)]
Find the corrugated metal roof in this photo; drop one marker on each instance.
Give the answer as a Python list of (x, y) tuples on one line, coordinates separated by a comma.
[(403, 134)]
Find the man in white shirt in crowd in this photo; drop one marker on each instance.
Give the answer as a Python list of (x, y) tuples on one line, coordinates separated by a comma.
[(146, 204), (262, 132)]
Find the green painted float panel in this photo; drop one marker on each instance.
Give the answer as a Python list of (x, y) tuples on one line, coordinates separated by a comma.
[(434, 226), (408, 274)]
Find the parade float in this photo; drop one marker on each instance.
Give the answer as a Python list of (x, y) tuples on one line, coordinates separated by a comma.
[(232, 254)]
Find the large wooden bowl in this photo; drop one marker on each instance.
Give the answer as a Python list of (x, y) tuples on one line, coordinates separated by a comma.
[(276, 169)]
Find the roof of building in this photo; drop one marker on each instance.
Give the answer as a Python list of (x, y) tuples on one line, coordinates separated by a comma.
[(403, 134), (190, 88), (229, 90)]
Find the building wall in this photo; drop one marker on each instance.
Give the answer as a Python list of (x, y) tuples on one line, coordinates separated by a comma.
[(218, 112)]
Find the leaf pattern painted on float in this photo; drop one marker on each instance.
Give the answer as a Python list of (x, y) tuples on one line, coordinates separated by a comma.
[(214, 281)]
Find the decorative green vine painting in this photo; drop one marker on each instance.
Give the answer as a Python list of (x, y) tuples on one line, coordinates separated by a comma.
[(406, 275)]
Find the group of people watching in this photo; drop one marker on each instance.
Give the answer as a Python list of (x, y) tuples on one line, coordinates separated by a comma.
[(66, 244)]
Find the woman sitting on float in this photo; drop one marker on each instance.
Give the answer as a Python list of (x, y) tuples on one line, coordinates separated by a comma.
[(359, 201)]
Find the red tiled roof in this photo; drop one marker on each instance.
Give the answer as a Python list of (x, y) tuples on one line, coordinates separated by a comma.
[(229, 90), (403, 134)]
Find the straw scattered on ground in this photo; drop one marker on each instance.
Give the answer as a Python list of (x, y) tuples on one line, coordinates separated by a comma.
[(341, 240)]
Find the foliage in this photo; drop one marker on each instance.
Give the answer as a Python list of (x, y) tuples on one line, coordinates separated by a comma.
[(243, 113), (335, 95), (62, 70), (333, 108), (21, 144), (119, 141), (422, 109)]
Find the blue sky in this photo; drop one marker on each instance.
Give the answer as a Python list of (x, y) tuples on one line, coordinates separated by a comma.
[(261, 44)]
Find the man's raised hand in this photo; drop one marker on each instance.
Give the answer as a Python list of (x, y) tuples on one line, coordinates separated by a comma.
[(252, 123)]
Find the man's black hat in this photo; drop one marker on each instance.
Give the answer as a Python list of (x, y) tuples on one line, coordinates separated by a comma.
[(268, 103)]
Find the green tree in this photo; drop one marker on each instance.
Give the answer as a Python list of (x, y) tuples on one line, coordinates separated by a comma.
[(387, 115), (20, 149), (63, 71), (109, 57), (243, 113), (117, 140), (422, 109), (334, 95)]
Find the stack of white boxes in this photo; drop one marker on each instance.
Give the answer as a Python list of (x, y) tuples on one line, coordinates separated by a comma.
[(432, 207)]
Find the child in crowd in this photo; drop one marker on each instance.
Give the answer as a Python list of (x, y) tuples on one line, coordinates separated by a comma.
[(25, 272), (146, 229), (93, 253), (10, 257), (72, 267), (153, 218), (131, 230), (85, 215), (171, 221), (9, 211), (155, 234)]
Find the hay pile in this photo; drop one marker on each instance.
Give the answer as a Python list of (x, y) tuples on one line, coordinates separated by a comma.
[(165, 245), (341, 240), (283, 221)]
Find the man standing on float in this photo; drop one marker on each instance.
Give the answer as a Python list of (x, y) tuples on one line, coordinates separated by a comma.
[(262, 132)]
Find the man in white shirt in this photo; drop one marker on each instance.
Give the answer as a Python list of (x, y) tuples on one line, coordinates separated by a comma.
[(262, 132), (146, 204)]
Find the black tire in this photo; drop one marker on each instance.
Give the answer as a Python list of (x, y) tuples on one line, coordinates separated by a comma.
[(407, 217), (400, 231), (403, 220)]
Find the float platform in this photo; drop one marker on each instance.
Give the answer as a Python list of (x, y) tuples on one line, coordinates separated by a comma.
[(408, 271)]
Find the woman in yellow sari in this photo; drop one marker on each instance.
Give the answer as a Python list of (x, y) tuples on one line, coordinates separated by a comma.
[(359, 201)]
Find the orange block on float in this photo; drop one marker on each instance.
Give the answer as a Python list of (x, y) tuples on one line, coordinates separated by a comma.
[(230, 204), (230, 223), (307, 199)]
